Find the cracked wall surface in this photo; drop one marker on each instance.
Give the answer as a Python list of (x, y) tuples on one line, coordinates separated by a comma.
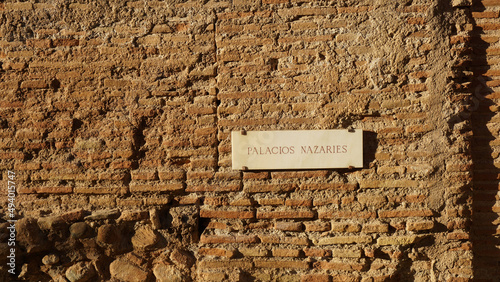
[(115, 122)]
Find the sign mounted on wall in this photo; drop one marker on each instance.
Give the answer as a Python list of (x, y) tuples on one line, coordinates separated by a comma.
[(298, 149)]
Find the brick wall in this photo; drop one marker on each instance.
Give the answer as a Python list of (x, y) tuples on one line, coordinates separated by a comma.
[(116, 117)]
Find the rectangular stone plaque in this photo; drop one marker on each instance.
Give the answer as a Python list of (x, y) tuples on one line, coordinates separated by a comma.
[(298, 149)]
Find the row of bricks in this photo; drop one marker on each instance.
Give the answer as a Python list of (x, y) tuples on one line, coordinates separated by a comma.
[(322, 241), (76, 7), (292, 264), (72, 173), (363, 201), (366, 199), (282, 252), (229, 96), (400, 240), (203, 137), (234, 186), (237, 122), (324, 252), (307, 276), (412, 156), (342, 227), (398, 224), (310, 214)]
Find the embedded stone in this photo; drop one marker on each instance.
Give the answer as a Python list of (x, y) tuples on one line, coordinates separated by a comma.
[(461, 3), (80, 272), (145, 237), (167, 273), (154, 217), (73, 215), (30, 236), (48, 223), (124, 270), (108, 234), (133, 215), (78, 229), (399, 240), (182, 258), (106, 214), (50, 259)]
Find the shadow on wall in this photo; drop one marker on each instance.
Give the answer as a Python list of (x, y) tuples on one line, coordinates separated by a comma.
[(485, 221)]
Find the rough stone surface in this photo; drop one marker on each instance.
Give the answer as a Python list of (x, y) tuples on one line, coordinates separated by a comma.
[(124, 270), (80, 272), (78, 229), (144, 237), (116, 120), (167, 273), (50, 259), (30, 236)]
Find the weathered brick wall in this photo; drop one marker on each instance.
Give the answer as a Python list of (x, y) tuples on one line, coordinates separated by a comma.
[(116, 118)]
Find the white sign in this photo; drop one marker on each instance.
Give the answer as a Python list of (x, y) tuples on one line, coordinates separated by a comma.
[(297, 149)]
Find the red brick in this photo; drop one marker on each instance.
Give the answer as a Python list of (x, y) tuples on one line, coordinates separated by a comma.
[(298, 202), (300, 174), (11, 155), (225, 264), (482, 15), (281, 264), (315, 278), (317, 226), (376, 228), (341, 265), (27, 166), (328, 186), (200, 175), (144, 175), (217, 225), (247, 122), (415, 87), (488, 26), (288, 226), (489, 3), (255, 175), (217, 252), (271, 201), (458, 236), (285, 214), (214, 188), (66, 42), (54, 190), (312, 252), (264, 188), (420, 225), (171, 175), (345, 214), (277, 239), (121, 164), (215, 201), (275, 1), (253, 252), (416, 21)]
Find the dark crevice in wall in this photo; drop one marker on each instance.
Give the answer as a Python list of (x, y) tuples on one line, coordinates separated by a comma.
[(486, 174)]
